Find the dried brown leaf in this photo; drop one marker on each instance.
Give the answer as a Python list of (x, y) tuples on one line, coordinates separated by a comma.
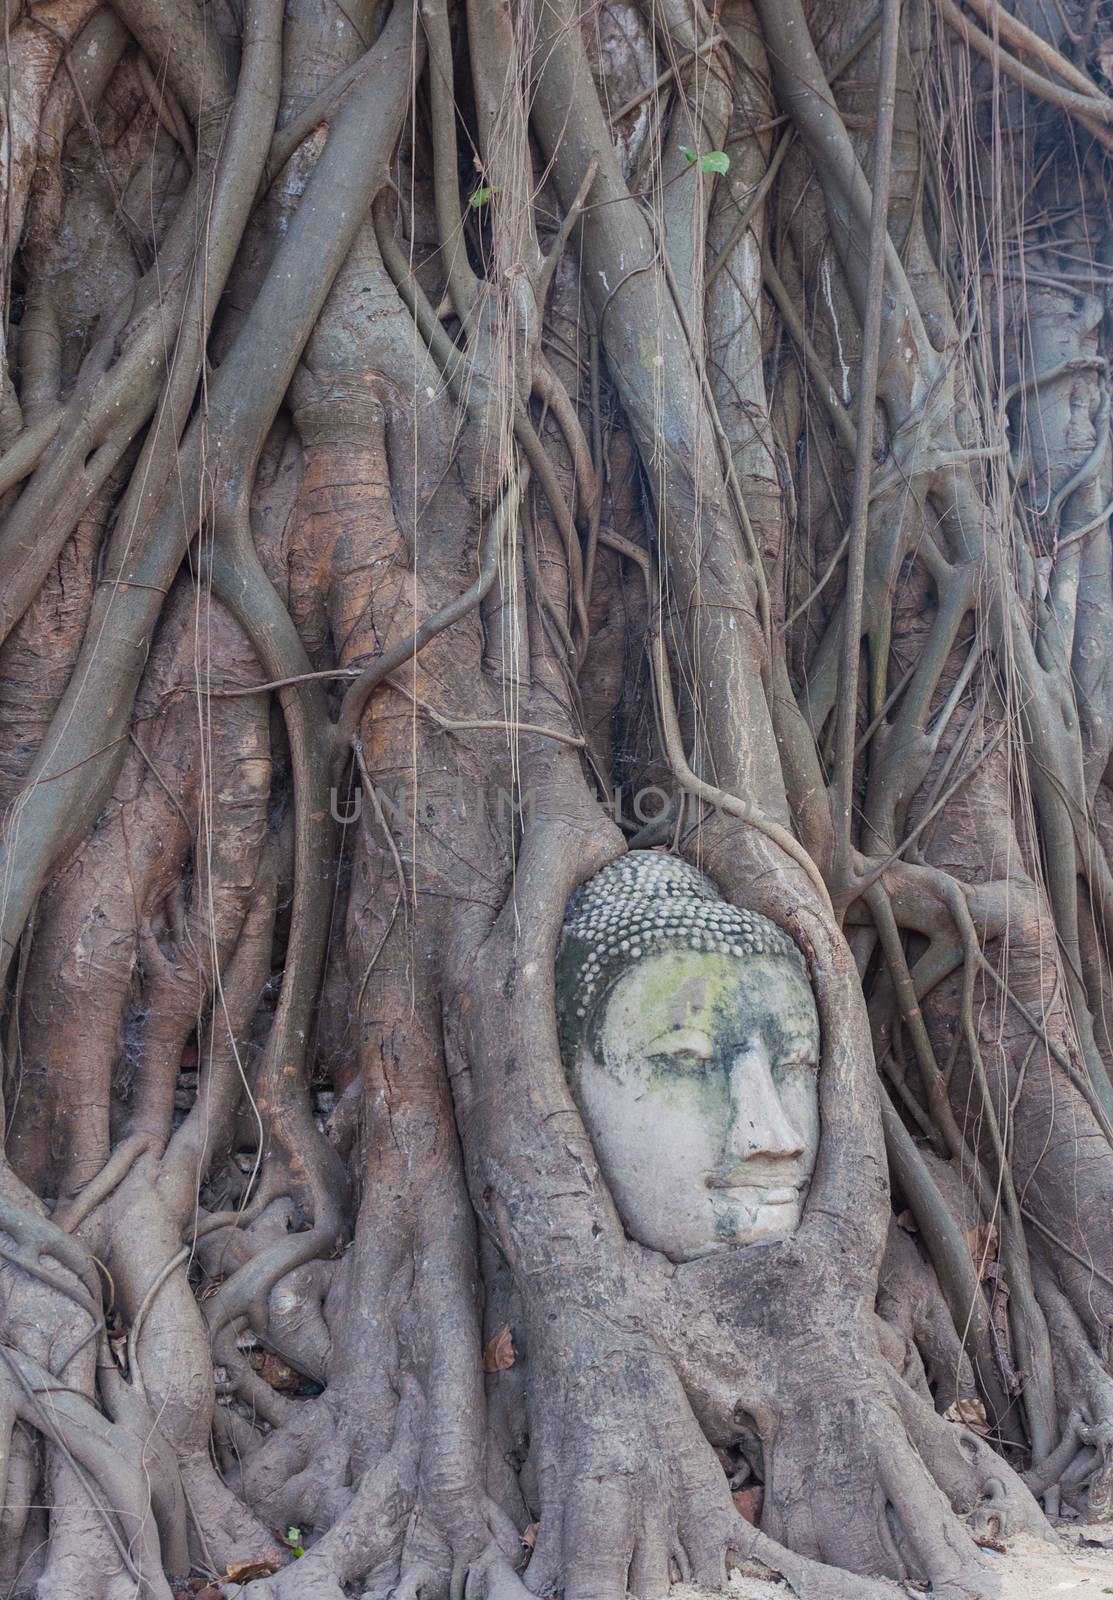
[(982, 1243), (970, 1413), (245, 1571), (499, 1353)]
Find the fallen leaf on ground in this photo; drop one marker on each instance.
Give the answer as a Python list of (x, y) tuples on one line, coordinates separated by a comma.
[(244, 1571), (499, 1353)]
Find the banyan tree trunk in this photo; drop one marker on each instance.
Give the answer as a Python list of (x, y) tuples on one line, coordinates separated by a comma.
[(443, 446)]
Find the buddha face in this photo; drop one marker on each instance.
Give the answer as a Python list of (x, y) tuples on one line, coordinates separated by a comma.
[(698, 1086)]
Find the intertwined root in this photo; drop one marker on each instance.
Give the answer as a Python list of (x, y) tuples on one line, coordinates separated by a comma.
[(632, 1496), (426, 419)]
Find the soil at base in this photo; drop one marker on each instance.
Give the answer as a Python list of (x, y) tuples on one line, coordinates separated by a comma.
[(1029, 1569)]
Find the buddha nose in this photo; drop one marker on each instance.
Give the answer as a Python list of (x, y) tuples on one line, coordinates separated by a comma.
[(761, 1126)]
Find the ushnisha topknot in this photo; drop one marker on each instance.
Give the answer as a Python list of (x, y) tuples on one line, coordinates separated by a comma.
[(643, 903)]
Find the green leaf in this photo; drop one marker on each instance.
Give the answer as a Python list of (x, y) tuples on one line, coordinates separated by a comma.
[(715, 161), (483, 196), (689, 155)]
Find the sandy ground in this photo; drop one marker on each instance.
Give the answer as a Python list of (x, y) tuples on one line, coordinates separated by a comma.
[(1029, 1570)]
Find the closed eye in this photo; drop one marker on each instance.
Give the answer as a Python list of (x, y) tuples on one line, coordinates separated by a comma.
[(684, 1042), (679, 1061)]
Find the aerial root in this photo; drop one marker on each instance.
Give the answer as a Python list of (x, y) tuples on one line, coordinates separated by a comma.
[(246, 1291), (977, 1481), (101, 1456), (811, 1580)]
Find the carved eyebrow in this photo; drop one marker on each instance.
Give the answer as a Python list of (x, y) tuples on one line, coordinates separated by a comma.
[(675, 1041)]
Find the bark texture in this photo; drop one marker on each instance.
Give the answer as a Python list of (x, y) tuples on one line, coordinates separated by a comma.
[(443, 445)]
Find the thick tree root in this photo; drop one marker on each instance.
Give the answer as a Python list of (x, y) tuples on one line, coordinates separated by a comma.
[(451, 414)]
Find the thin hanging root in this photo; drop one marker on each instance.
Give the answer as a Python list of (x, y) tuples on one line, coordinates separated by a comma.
[(817, 372), (357, 696), (571, 217), (752, 207), (674, 744), (1026, 1317), (542, 468), (687, 779), (666, 77), (726, 457), (9, 1417), (548, 387), (166, 108), (465, 724), (1094, 111), (373, 797), (1017, 33)]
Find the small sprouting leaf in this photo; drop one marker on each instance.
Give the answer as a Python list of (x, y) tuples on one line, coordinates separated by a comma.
[(483, 195), (689, 155), (715, 161)]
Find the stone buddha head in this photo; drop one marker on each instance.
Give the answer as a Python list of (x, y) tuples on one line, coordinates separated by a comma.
[(690, 1037)]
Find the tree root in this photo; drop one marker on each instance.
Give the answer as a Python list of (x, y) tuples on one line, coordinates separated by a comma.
[(101, 1458), (369, 1531), (975, 1479)]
